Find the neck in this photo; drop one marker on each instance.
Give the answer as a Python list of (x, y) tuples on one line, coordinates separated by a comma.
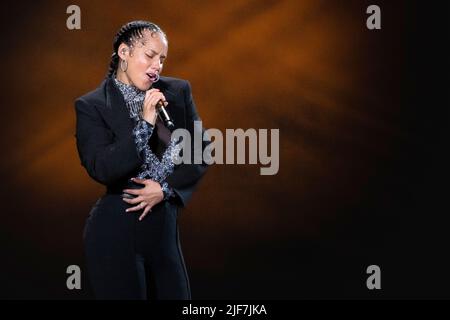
[(122, 77)]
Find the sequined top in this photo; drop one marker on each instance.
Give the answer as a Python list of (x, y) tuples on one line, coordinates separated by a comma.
[(153, 168)]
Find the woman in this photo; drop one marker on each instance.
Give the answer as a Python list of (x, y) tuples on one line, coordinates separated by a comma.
[(131, 236)]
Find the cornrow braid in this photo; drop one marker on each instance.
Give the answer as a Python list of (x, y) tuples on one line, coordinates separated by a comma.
[(127, 34)]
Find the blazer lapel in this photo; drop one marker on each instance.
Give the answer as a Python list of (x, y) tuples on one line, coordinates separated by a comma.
[(116, 113)]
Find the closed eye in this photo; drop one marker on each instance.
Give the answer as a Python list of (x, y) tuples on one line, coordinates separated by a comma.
[(151, 56)]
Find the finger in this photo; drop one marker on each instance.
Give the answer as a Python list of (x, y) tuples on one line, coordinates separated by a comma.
[(140, 206), (138, 180), (164, 102), (149, 95), (134, 200), (146, 210), (162, 97), (149, 92), (154, 100), (133, 191), (153, 92), (158, 96)]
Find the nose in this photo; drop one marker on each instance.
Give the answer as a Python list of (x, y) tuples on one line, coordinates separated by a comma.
[(156, 65)]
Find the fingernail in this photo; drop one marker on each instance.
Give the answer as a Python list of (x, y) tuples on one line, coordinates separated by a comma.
[(126, 210)]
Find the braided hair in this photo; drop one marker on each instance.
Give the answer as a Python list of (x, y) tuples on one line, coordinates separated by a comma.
[(127, 34)]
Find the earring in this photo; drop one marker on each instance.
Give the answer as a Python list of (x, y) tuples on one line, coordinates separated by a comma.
[(122, 65), (157, 78)]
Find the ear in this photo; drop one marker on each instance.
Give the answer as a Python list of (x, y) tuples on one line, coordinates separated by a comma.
[(123, 51)]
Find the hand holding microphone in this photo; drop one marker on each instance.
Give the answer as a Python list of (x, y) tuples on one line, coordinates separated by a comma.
[(154, 105), (154, 100)]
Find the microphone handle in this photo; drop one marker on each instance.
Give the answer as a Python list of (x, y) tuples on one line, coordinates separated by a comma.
[(164, 116)]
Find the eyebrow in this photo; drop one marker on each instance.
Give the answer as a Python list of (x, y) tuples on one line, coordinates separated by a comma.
[(154, 52)]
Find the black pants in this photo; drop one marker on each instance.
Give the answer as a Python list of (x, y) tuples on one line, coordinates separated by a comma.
[(149, 284), (131, 259), (156, 282)]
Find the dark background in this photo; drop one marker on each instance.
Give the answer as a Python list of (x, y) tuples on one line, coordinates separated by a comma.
[(363, 119)]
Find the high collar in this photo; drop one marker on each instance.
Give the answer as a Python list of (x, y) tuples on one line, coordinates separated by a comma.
[(133, 96), (130, 92)]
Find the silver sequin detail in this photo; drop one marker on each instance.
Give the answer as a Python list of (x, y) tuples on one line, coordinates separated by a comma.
[(134, 98), (153, 168)]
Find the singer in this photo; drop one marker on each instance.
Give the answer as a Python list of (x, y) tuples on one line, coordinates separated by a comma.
[(123, 137)]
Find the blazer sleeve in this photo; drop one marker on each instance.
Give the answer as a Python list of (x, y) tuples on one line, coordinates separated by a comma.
[(106, 158), (185, 178)]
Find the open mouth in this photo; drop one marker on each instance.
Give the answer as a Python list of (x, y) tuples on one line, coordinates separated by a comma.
[(153, 77)]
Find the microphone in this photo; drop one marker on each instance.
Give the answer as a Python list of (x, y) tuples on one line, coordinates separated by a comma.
[(161, 110), (163, 115)]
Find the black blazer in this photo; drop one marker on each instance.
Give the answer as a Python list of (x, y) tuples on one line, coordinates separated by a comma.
[(106, 146)]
